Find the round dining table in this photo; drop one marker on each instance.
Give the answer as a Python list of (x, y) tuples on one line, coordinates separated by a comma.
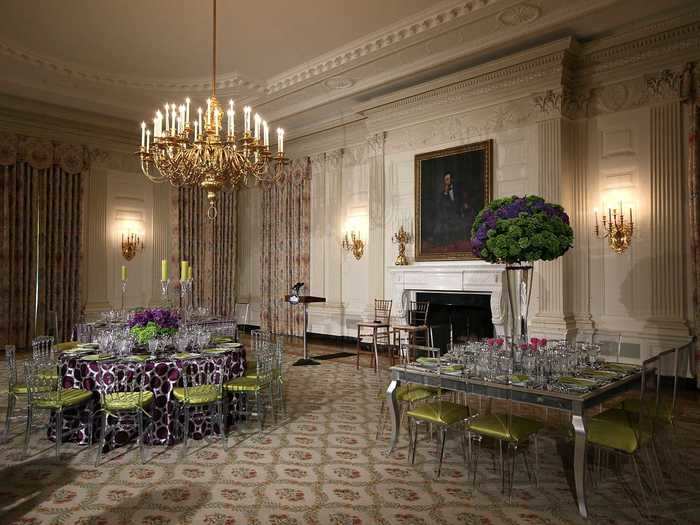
[(163, 374)]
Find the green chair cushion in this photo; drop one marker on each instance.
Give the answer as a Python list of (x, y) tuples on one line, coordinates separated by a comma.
[(664, 412), (243, 384), (496, 426), (616, 429), (414, 393), (198, 395), (127, 400), (68, 398), (48, 374), (440, 412)]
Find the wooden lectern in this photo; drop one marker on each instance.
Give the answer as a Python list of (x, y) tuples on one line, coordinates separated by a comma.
[(304, 300)]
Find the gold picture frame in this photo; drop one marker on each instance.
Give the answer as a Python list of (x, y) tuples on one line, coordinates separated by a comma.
[(446, 207)]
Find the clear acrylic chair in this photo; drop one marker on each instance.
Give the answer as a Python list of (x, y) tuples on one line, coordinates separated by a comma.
[(202, 390), (240, 313), (260, 387), (513, 432), (257, 339), (42, 348), (125, 397), (47, 393), (16, 387), (441, 414)]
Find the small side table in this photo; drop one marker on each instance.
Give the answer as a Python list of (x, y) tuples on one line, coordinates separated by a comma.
[(375, 326), (410, 331)]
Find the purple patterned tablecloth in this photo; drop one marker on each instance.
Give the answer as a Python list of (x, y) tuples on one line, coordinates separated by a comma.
[(163, 375)]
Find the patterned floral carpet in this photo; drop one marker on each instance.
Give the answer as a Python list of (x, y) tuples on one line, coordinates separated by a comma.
[(321, 465)]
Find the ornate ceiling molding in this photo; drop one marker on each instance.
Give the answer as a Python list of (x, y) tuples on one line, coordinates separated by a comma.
[(53, 65), (377, 42)]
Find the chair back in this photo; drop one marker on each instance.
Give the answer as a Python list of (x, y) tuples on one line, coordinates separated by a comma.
[(418, 313), (649, 398), (240, 313), (11, 363), (610, 346), (425, 351), (382, 310), (83, 333), (202, 373), (266, 355), (126, 379), (258, 337), (40, 385), (222, 328), (498, 377), (42, 347)]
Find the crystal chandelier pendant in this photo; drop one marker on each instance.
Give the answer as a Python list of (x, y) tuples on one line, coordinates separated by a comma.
[(199, 152)]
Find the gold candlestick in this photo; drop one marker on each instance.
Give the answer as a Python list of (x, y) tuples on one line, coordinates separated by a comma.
[(401, 238)]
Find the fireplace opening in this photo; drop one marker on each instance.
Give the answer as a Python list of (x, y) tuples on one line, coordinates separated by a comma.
[(458, 317)]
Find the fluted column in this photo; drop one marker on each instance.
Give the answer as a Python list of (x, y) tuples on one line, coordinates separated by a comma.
[(333, 260), (98, 243), (317, 243), (668, 233), (375, 161)]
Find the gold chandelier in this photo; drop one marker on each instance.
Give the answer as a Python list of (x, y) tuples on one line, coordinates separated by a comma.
[(200, 152)]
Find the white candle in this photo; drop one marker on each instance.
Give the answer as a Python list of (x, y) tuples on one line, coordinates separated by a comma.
[(229, 120), (257, 126), (143, 134), (266, 134), (208, 112), (199, 111), (159, 116), (246, 119), (195, 130), (187, 115), (280, 140), (148, 140), (182, 118), (167, 118), (173, 116)]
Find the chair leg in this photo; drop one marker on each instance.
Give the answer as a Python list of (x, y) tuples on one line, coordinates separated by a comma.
[(258, 406), (645, 501), (222, 429), (139, 438), (381, 422), (511, 473), (537, 460), (476, 451), (185, 429), (59, 431), (10, 412), (101, 441), (415, 442), (443, 437), (28, 431)]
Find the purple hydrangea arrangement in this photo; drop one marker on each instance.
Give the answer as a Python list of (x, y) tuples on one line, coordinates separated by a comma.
[(153, 322), (514, 229)]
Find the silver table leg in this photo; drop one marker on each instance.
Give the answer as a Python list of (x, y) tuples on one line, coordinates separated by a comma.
[(394, 413), (580, 463)]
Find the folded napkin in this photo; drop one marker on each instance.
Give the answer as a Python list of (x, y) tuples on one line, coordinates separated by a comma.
[(185, 355), (231, 345), (215, 350), (97, 357), (577, 381), (519, 379), (622, 367), (136, 358), (223, 339), (609, 374)]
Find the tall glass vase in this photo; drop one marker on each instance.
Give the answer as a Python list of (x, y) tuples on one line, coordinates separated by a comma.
[(519, 284)]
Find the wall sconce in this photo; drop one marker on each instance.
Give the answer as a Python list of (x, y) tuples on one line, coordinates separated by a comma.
[(354, 244), (401, 238), (131, 245), (616, 228)]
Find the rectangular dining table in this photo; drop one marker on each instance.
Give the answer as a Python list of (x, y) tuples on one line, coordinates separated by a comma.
[(575, 404)]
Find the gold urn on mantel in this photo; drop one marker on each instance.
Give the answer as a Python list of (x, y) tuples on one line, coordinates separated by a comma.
[(401, 238)]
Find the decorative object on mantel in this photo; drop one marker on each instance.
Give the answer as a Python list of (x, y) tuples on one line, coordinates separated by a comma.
[(517, 231), (131, 245), (197, 152), (616, 229), (451, 186), (354, 244), (401, 238)]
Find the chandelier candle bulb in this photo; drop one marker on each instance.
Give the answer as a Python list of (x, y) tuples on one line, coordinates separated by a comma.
[(208, 113), (266, 134), (143, 134), (257, 126), (148, 141), (167, 119), (246, 119), (187, 112), (280, 140), (163, 270)]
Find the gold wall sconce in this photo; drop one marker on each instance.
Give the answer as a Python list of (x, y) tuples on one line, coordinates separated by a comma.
[(353, 243), (131, 245), (401, 238), (617, 228)]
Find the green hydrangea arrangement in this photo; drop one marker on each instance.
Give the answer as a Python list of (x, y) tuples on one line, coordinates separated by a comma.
[(514, 229), (152, 323)]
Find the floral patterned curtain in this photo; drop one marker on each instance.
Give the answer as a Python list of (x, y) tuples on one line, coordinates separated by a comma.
[(208, 245), (285, 248), (42, 215)]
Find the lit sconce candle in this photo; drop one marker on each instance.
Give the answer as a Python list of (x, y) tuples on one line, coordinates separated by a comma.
[(163, 270), (246, 119), (148, 140), (280, 140), (266, 134), (124, 275), (257, 120), (167, 118), (187, 112), (183, 270), (143, 134)]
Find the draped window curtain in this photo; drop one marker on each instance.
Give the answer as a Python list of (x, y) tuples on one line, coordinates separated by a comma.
[(209, 246), (285, 248), (42, 215)]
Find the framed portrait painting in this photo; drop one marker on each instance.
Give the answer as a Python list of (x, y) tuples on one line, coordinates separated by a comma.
[(452, 186)]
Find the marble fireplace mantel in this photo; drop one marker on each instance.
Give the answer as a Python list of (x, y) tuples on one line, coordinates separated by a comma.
[(452, 277)]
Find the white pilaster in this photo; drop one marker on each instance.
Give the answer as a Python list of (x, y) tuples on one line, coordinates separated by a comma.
[(375, 151)]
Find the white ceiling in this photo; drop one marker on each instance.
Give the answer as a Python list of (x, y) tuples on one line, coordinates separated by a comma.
[(302, 61)]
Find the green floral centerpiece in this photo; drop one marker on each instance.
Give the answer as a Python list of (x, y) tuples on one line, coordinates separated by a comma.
[(153, 322), (514, 229)]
